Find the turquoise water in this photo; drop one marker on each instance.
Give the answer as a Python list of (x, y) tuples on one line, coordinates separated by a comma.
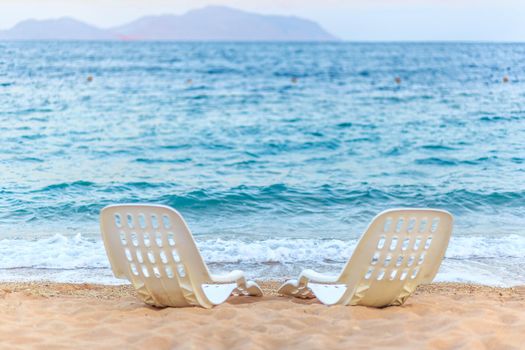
[(278, 155)]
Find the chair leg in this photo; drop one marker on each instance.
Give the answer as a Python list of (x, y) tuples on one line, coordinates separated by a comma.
[(253, 289), (295, 288), (248, 288)]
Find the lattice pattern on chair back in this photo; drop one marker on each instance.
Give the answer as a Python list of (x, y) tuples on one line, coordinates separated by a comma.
[(400, 250), (153, 248)]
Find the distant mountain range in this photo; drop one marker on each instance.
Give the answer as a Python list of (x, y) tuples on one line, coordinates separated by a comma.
[(212, 23)]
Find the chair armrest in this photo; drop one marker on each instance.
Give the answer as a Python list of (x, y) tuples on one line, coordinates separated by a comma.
[(231, 277), (316, 277)]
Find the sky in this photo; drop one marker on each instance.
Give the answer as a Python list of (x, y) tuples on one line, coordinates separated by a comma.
[(354, 20)]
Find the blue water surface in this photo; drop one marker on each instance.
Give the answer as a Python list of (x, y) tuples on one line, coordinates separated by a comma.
[(278, 155)]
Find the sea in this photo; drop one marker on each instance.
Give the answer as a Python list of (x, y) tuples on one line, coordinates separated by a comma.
[(278, 155)]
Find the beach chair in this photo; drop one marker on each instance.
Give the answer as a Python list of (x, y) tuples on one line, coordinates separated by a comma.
[(152, 247), (400, 249)]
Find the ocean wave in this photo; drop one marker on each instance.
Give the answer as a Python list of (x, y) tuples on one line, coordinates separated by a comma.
[(448, 162), (85, 198), (282, 257), (56, 252)]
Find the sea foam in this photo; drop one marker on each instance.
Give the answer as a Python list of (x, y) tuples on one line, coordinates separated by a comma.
[(478, 259)]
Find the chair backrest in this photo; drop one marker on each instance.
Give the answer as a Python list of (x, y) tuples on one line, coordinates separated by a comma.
[(152, 247), (400, 249)]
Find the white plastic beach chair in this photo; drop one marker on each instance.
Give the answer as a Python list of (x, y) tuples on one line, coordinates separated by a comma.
[(400, 249), (152, 247)]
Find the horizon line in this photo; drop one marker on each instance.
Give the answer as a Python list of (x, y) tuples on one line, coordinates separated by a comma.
[(337, 41)]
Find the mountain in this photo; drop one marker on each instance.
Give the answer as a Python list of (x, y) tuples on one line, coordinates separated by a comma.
[(219, 23), (212, 23), (56, 29)]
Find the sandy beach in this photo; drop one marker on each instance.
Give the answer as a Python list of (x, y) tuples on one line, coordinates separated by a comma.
[(438, 316)]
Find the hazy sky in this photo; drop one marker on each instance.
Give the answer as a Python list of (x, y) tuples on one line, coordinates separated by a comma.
[(492, 20)]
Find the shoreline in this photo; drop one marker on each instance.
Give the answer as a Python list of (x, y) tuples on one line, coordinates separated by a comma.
[(50, 289), (438, 316)]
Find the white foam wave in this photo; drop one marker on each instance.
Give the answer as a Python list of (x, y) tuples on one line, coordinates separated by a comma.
[(503, 246), (276, 250), (496, 260), (56, 252)]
